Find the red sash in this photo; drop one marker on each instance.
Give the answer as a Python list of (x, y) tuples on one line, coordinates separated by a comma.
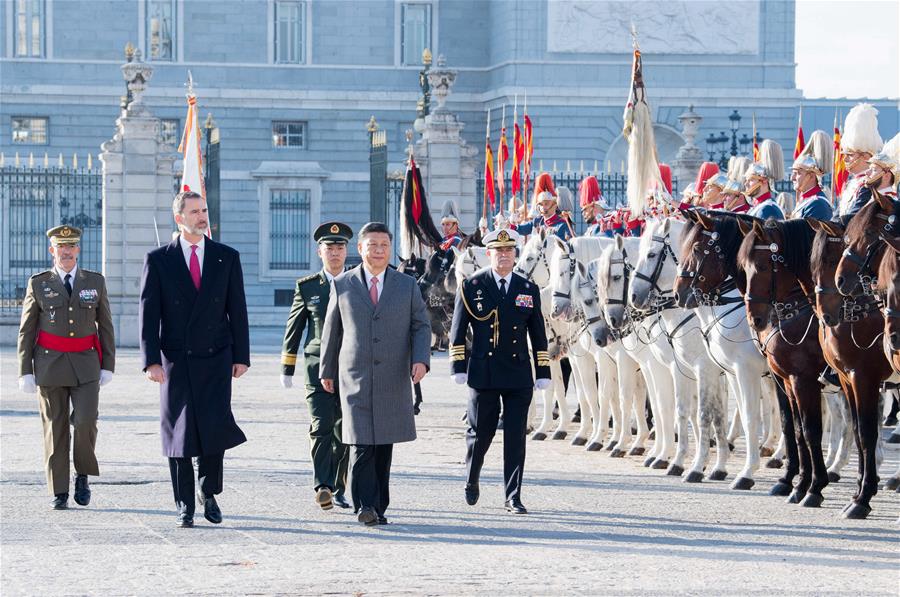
[(64, 344)]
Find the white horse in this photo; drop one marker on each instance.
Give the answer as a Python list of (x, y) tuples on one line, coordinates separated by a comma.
[(467, 262), (643, 342), (698, 395)]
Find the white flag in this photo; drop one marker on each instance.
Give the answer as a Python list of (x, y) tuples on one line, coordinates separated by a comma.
[(192, 173)]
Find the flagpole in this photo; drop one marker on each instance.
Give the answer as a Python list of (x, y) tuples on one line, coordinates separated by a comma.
[(487, 141), (527, 158), (499, 173), (515, 122)]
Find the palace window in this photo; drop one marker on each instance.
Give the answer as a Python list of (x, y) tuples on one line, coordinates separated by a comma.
[(289, 229), (415, 31), (29, 130), (169, 132), (289, 134), (290, 27), (161, 30), (30, 28)]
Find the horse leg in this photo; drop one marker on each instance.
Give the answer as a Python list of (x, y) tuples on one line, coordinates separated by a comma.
[(710, 417), (607, 383), (638, 409), (735, 427), (559, 388), (746, 385), (866, 400), (770, 416), (789, 439), (586, 391), (685, 407), (809, 400), (663, 417), (842, 429), (631, 384)]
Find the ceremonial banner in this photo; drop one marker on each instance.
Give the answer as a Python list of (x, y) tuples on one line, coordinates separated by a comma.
[(839, 174), (192, 173), (800, 143)]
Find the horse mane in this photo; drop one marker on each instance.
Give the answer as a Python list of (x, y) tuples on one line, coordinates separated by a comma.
[(730, 239), (819, 252), (797, 236), (588, 248), (863, 220), (603, 271)]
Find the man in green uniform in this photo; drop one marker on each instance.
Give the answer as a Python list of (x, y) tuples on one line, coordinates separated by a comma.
[(67, 350), (329, 455)]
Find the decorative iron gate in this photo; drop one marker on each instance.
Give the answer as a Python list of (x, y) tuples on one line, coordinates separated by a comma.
[(34, 199)]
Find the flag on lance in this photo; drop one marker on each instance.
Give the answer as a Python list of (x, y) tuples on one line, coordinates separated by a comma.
[(192, 172)]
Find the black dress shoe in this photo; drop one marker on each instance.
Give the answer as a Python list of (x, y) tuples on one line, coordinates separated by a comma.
[(515, 506), (472, 493), (82, 490), (211, 510), (368, 516), (382, 520), (340, 501), (60, 501), (185, 520), (324, 498)]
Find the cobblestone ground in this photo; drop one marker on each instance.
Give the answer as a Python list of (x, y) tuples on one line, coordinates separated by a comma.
[(597, 525)]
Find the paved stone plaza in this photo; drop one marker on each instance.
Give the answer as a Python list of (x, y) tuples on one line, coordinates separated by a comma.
[(597, 525)]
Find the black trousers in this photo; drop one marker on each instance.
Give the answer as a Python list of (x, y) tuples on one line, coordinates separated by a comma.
[(483, 413), (329, 455), (370, 475), (209, 474)]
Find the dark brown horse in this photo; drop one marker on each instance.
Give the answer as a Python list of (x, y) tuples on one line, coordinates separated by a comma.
[(851, 343), (779, 299), (709, 271)]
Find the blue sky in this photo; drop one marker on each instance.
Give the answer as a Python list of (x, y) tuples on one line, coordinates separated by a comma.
[(848, 48)]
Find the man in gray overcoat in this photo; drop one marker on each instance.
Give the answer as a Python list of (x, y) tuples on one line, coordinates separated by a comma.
[(376, 338)]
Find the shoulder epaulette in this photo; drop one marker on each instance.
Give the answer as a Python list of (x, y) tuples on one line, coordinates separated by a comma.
[(305, 279), (43, 273)]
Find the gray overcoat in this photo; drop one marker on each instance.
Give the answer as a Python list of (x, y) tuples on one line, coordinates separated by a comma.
[(370, 350)]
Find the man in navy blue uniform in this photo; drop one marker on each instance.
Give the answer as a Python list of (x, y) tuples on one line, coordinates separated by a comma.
[(503, 309), (194, 339), (811, 199)]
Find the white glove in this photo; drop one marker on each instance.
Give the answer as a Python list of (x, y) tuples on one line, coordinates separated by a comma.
[(27, 385), (541, 384), (287, 381), (514, 218), (105, 377), (460, 378)]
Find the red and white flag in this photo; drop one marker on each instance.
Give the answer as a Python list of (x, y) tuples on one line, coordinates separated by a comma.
[(192, 174)]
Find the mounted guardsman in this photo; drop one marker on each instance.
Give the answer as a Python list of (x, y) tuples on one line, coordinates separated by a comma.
[(593, 206), (860, 141), (806, 175), (450, 225), (553, 210), (884, 169), (503, 309), (759, 181), (66, 352), (311, 295)]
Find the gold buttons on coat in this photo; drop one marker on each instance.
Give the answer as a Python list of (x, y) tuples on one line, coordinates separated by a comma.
[(71, 333), (71, 321)]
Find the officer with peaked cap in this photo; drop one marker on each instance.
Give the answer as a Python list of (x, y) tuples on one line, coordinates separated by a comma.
[(66, 352), (503, 309), (329, 454)]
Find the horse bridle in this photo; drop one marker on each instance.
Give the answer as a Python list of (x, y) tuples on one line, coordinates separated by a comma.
[(664, 299), (869, 281), (571, 269), (851, 309), (632, 315), (784, 311), (715, 296), (544, 260)]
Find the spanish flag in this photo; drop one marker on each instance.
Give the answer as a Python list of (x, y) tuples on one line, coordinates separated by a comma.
[(518, 154), (489, 175), (502, 158), (839, 174), (755, 141)]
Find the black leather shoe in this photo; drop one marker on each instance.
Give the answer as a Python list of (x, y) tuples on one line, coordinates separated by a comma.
[(472, 493), (324, 498), (60, 501), (382, 520), (515, 506), (185, 520), (211, 510), (340, 501), (82, 490), (368, 516)]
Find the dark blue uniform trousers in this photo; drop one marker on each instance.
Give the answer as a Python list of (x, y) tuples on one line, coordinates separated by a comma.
[(483, 414)]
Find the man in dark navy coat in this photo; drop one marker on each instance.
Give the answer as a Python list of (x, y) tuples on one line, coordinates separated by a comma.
[(504, 311), (194, 339)]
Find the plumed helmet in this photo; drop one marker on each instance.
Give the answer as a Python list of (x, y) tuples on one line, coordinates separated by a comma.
[(861, 130), (707, 170)]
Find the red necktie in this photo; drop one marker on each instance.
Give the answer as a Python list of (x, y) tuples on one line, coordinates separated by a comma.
[(195, 267), (373, 291)]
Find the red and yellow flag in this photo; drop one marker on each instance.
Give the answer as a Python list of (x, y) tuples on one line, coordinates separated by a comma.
[(518, 154), (755, 141), (800, 143), (502, 158), (489, 175), (416, 190), (839, 174)]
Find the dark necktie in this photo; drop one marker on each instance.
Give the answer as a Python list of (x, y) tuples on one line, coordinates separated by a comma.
[(68, 284), (503, 287)]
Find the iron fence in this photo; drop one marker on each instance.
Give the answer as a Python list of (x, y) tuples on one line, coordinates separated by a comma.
[(35, 199)]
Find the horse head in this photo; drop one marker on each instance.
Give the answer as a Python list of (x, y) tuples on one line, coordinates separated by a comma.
[(708, 256), (561, 284), (856, 273), (827, 249), (586, 300), (653, 279), (615, 273)]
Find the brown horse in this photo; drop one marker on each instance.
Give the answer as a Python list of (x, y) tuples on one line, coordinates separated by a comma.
[(851, 343), (779, 300), (708, 272)]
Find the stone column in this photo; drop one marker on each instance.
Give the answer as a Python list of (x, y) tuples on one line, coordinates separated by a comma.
[(448, 164), (138, 187), (689, 157)]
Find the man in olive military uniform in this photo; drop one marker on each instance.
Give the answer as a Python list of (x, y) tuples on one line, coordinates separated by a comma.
[(503, 310), (329, 455), (66, 352)]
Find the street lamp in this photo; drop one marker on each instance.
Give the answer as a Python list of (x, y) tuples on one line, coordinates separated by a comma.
[(735, 119), (718, 148)]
